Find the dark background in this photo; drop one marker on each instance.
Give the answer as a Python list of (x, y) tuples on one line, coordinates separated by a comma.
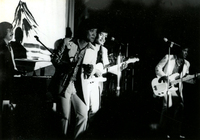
[(143, 25)]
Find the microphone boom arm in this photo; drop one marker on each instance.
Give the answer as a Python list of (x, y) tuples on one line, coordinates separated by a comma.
[(172, 43), (37, 38)]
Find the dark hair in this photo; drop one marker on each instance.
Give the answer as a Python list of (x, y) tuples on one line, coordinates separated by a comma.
[(84, 26), (68, 32), (103, 28), (18, 34), (3, 29), (177, 49)]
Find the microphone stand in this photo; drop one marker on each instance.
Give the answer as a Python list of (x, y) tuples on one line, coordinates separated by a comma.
[(37, 38), (52, 53), (169, 53), (118, 72), (125, 72)]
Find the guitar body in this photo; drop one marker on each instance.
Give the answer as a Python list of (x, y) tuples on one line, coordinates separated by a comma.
[(89, 84), (99, 66), (94, 79), (160, 89)]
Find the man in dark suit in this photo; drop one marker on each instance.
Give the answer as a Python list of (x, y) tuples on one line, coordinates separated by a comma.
[(7, 65)]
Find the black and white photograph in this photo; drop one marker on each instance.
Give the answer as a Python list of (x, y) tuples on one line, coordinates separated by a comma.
[(99, 69)]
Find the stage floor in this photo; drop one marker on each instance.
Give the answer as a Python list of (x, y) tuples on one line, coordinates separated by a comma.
[(130, 116)]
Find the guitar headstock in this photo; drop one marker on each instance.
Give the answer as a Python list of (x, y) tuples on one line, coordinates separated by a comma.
[(132, 60)]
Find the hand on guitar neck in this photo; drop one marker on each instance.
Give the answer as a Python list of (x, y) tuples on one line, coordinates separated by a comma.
[(114, 69)]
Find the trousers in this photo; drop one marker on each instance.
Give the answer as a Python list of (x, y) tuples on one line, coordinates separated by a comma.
[(71, 99), (94, 91)]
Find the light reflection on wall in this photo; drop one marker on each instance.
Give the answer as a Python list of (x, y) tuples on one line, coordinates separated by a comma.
[(49, 14)]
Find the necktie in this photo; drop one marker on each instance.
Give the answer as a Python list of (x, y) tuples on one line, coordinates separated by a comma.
[(12, 55), (9, 47)]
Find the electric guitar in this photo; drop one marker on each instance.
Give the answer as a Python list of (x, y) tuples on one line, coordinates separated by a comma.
[(160, 89), (114, 67), (109, 68), (95, 79)]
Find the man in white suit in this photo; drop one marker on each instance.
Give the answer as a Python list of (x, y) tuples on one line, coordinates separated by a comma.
[(173, 103), (95, 54)]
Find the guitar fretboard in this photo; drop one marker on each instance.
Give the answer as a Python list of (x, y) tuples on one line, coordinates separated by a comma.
[(184, 79)]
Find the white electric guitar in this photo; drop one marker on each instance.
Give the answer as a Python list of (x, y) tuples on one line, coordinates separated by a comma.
[(160, 89), (113, 68), (109, 68)]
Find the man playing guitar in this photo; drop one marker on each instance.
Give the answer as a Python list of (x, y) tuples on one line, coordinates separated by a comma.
[(172, 99), (95, 64)]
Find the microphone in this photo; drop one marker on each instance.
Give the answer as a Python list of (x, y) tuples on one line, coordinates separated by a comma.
[(166, 40), (114, 40), (36, 37)]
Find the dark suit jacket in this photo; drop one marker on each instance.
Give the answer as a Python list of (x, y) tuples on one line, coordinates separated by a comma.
[(6, 70)]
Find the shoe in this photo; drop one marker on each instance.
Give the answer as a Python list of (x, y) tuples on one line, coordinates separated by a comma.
[(181, 136)]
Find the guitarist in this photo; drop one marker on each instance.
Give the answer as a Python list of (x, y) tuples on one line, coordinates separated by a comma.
[(95, 54), (173, 103)]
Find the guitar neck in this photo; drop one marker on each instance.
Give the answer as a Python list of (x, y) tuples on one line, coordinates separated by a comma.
[(109, 66), (184, 79), (130, 60), (114, 68)]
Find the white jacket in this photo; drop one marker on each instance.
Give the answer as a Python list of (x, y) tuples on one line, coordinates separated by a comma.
[(165, 68)]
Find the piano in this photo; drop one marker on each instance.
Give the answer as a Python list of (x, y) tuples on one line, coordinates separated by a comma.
[(35, 67), (33, 86)]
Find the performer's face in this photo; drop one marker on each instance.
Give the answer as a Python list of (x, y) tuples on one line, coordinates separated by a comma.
[(9, 35), (101, 38), (91, 35), (185, 53)]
